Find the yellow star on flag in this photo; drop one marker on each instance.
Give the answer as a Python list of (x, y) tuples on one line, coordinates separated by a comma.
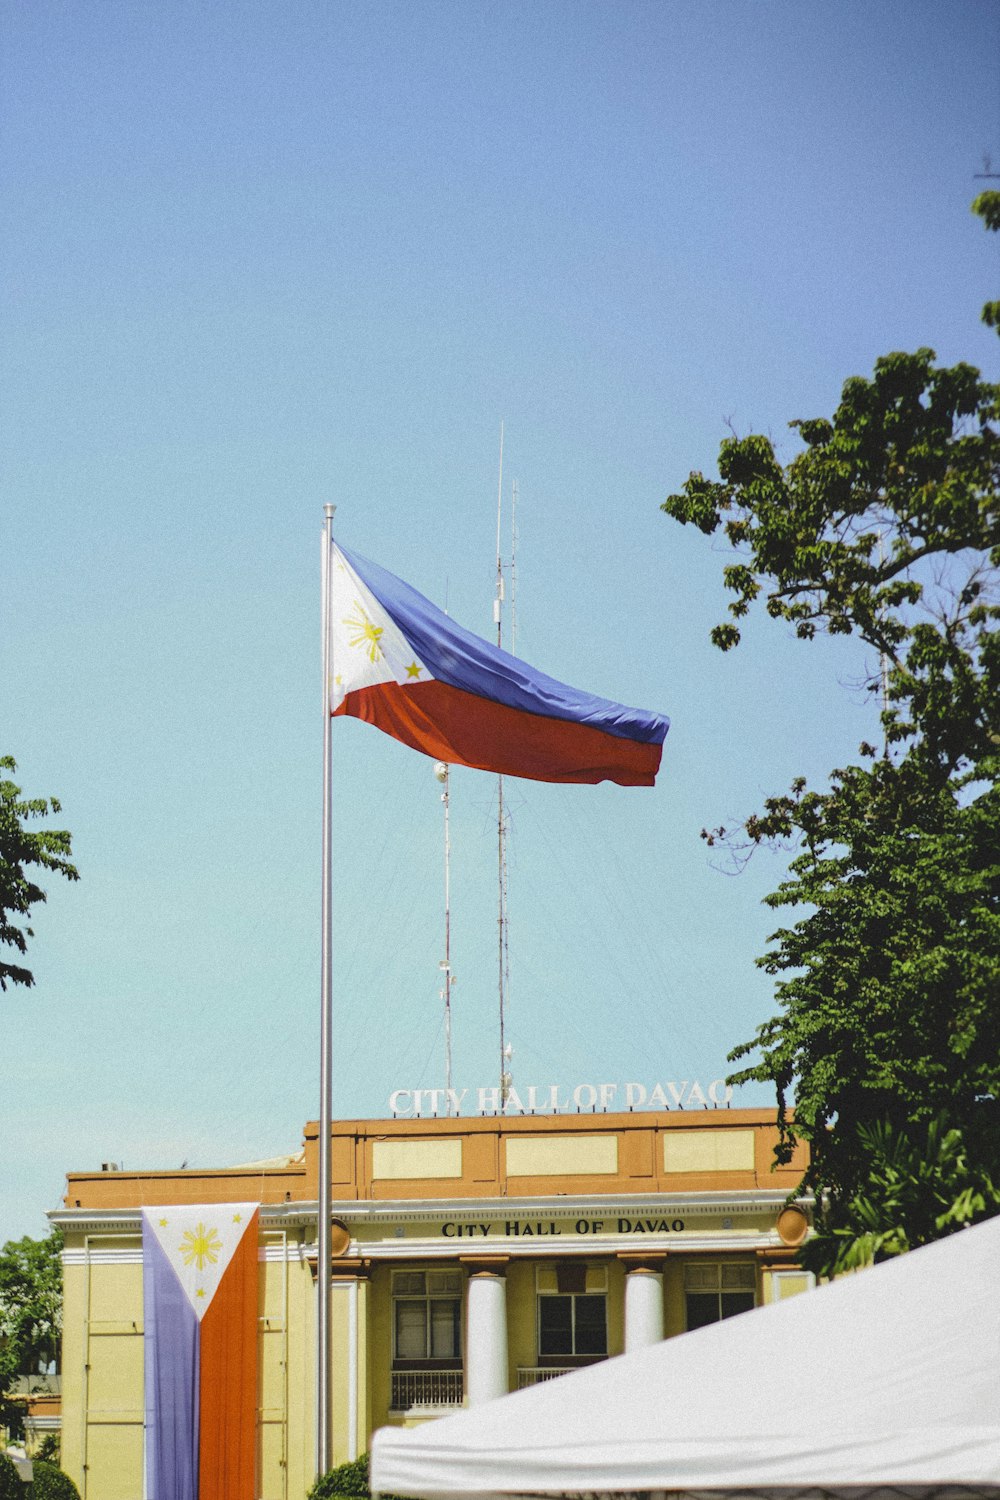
[(163, 1223), (237, 1218), (413, 670)]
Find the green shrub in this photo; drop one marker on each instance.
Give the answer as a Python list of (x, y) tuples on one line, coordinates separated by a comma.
[(50, 1483), (12, 1486), (348, 1479)]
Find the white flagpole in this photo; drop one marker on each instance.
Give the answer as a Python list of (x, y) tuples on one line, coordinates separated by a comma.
[(324, 1247)]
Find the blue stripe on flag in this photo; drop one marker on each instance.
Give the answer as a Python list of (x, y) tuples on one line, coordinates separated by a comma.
[(463, 660)]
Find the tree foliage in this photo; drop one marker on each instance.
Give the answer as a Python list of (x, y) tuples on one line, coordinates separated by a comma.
[(21, 852), (12, 1486), (886, 524), (30, 1313), (987, 206), (917, 1187)]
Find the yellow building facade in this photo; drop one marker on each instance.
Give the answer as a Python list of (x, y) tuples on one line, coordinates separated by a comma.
[(470, 1257)]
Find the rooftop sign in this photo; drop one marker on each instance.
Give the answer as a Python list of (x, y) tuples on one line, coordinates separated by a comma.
[(552, 1099)]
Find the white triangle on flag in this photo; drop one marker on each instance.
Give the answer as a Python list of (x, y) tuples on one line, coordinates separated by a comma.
[(367, 646), (199, 1242)]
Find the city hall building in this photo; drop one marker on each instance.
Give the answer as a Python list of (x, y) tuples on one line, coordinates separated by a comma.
[(471, 1257)]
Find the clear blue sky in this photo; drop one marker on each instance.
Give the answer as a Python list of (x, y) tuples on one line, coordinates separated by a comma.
[(261, 256)]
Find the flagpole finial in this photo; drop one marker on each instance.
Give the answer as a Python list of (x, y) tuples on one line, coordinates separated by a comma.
[(329, 511)]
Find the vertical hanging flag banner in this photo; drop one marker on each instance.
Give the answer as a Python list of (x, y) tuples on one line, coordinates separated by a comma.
[(402, 664), (199, 1279)]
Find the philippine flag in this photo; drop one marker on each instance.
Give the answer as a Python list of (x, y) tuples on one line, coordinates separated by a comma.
[(401, 664), (200, 1313)]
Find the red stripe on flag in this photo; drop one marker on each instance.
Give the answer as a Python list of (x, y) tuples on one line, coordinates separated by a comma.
[(228, 1443), (464, 729)]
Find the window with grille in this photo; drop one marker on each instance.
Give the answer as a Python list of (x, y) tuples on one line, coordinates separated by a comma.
[(572, 1312), (718, 1290), (426, 1317)]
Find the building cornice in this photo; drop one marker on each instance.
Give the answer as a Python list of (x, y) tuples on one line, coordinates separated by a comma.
[(127, 1221), (387, 1212), (559, 1205)]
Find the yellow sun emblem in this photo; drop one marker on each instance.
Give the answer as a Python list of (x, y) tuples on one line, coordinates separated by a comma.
[(367, 634), (200, 1245)]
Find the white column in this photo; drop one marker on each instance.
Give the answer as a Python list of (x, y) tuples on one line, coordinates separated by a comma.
[(643, 1308), (352, 1373), (486, 1336)]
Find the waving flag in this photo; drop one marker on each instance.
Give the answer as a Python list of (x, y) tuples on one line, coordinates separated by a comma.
[(199, 1285), (406, 667)]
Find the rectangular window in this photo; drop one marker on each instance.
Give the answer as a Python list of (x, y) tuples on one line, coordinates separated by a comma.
[(555, 1325), (718, 1290), (572, 1312), (572, 1325), (590, 1325), (427, 1316)]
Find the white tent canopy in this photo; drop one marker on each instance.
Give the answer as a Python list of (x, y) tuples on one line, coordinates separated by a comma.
[(883, 1383)]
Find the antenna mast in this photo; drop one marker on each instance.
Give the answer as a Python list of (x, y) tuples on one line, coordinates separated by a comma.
[(513, 568), (503, 958)]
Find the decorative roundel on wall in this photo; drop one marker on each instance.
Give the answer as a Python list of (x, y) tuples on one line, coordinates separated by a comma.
[(793, 1226), (340, 1237)]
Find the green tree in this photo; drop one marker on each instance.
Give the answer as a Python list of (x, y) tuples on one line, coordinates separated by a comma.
[(987, 206), (21, 851), (917, 1186), (886, 524), (12, 1486), (30, 1314)]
